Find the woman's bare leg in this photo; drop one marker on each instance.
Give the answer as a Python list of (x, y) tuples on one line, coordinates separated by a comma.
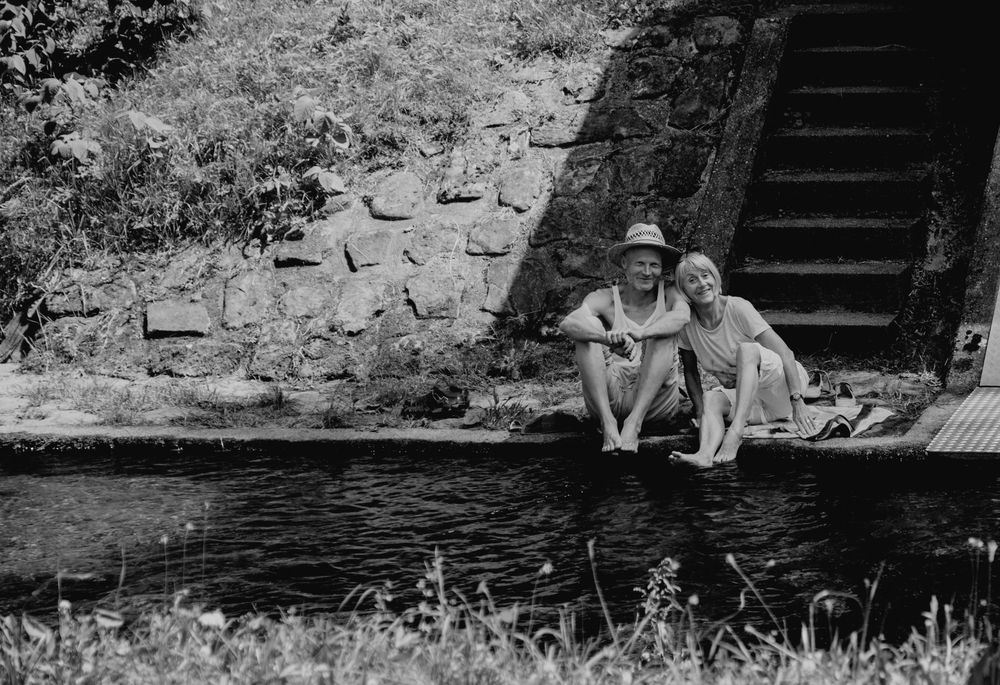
[(593, 374), (710, 430), (657, 362), (747, 381)]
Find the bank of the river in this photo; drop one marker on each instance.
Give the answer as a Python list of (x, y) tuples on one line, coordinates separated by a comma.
[(450, 639), (69, 410)]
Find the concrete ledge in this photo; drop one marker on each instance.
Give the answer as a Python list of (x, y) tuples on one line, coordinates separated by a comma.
[(18, 442), (722, 202)]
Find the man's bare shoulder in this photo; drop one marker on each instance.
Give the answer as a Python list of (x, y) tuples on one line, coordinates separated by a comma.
[(600, 300), (671, 293)]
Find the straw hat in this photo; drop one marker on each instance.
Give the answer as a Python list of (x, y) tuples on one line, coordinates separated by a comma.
[(642, 235)]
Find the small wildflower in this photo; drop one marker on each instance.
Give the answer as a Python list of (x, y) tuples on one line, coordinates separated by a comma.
[(770, 563), (693, 600), (975, 543), (991, 549), (213, 619), (164, 539), (64, 605), (189, 527), (546, 569)]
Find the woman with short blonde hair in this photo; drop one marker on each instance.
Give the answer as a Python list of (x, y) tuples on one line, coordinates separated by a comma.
[(761, 381)]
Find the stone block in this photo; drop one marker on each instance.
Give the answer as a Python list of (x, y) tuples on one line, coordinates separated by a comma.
[(716, 32), (578, 171), (304, 301), (81, 299), (436, 291), (176, 318), (358, 303), (370, 248), (520, 187), (431, 239), (246, 299), (650, 76), (400, 196), (189, 359), (579, 124), (493, 236)]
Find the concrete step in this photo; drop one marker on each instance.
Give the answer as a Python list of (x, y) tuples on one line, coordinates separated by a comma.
[(871, 105), (864, 286), (841, 193), (872, 23), (856, 65), (828, 237), (846, 147), (848, 332)]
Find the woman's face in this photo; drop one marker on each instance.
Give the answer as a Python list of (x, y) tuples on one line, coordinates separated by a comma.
[(700, 287), (643, 267)]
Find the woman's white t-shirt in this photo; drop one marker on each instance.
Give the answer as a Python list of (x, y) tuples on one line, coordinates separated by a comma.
[(716, 348)]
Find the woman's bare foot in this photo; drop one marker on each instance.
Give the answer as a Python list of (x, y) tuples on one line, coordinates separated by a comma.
[(730, 445), (698, 458), (630, 436), (612, 438)]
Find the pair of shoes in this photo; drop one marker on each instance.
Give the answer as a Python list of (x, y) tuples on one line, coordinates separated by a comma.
[(845, 396), (819, 386)]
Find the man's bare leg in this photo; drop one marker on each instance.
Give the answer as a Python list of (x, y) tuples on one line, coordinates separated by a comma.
[(747, 380), (710, 431), (593, 374), (657, 362)]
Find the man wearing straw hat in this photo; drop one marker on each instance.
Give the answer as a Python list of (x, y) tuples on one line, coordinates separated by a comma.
[(626, 348)]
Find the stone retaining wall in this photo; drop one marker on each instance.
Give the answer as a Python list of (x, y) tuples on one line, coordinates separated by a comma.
[(514, 221)]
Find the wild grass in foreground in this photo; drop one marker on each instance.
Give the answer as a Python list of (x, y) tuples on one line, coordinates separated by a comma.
[(449, 638)]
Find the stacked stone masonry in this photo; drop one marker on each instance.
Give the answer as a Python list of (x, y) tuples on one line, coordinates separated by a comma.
[(514, 221)]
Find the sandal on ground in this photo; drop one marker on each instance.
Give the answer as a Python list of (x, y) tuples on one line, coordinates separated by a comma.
[(845, 396), (819, 386)]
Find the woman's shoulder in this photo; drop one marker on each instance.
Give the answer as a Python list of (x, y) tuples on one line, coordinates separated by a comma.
[(738, 305)]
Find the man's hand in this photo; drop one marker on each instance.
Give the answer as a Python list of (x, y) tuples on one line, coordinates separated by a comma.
[(622, 344)]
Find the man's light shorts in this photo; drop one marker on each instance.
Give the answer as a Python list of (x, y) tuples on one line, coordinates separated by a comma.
[(771, 402), (623, 381)]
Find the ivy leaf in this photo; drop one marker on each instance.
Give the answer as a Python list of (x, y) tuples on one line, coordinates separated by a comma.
[(32, 58), (326, 179), (74, 90), (17, 64)]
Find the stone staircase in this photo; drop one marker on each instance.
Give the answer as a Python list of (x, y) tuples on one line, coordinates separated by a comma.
[(836, 211)]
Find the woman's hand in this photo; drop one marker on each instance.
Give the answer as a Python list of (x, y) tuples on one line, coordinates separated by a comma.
[(803, 417)]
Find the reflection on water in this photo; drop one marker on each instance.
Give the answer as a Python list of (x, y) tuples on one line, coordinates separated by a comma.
[(267, 531)]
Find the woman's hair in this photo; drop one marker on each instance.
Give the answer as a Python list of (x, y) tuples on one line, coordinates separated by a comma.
[(695, 262)]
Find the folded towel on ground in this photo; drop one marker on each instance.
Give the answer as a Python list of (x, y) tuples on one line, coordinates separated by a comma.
[(831, 422)]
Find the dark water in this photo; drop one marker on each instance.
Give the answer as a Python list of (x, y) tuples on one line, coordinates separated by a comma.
[(306, 527)]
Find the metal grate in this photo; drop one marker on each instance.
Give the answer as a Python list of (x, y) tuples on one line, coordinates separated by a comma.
[(973, 430)]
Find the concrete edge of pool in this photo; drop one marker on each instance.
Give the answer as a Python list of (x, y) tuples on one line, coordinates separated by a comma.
[(909, 445)]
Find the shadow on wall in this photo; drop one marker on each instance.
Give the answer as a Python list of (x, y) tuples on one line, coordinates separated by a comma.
[(626, 141)]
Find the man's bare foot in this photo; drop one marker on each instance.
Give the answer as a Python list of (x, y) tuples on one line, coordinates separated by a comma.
[(730, 445), (630, 436), (612, 439), (698, 459)]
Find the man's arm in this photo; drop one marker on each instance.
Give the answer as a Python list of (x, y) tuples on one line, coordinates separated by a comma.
[(676, 316), (585, 324)]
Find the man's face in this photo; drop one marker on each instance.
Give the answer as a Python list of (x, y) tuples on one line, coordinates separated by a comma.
[(643, 267)]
